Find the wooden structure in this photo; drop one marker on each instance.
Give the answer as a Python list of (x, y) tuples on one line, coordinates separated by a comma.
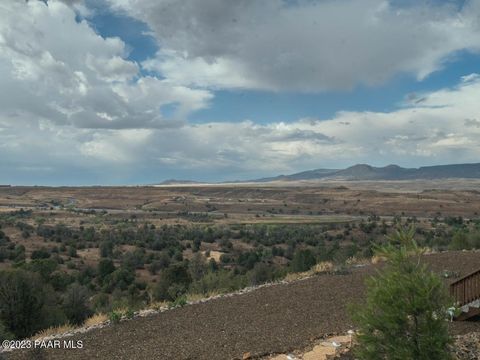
[(466, 293)]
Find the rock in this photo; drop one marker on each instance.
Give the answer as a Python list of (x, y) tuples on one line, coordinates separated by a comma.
[(467, 347), (246, 356)]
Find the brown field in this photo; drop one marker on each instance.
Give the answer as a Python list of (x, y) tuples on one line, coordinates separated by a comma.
[(273, 203), (252, 203)]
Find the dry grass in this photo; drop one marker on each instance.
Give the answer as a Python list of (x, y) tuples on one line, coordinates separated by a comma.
[(322, 267), (95, 320), (319, 268), (424, 250), (122, 310), (157, 305), (377, 259), (198, 297), (297, 276), (358, 261), (428, 251), (54, 330), (383, 201)]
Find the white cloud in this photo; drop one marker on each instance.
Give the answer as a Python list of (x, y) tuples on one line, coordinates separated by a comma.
[(74, 107), (57, 69), (441, 129), (117, 147), (311, 46)]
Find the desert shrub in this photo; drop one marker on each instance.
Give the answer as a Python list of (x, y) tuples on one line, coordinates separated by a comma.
[(212, 265), (72, 251), (302, 260), (75, 304), (40, 254), (474, 239), (101, 301), (459, 241), (44, 267), (161, 262), (106, 249), (60, 280), (4, 333), (260, 274), (18, 254), (105, 267), (26, 303), (197, 266), (196, 245), (179, 302), (121, 278), (248, 259), (134, 259), (129, 313), (114, 317), (404, 313), (218, 281), (173, 282)]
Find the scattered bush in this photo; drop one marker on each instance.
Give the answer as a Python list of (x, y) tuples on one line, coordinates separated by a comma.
[(303, 260), (260, 274), (4, 333), (114, 317), (75, 304), (25, 303), (179, 302)]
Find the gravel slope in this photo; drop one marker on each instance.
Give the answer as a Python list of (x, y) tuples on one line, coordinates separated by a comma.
[(273, 319)]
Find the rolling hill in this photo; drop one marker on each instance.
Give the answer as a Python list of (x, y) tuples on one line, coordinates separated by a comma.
[(391, 172), (365, 172)]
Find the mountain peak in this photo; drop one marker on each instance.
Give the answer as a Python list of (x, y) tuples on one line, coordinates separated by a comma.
[(360, 166), (393, 166)]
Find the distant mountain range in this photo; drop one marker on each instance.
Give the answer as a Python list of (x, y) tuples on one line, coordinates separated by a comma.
[(390, 172), (361, 172)]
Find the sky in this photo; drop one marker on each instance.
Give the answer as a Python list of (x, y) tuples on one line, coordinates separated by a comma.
[(116, 92)]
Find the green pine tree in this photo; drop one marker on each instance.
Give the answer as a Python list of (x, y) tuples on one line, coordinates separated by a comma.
[(403, 316)]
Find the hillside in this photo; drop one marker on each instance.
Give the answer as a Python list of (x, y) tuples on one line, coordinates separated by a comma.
[(365, 172), (361, 172), (273, 319)]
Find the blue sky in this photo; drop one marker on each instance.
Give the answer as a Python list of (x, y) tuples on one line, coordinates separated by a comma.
[(132, 92)]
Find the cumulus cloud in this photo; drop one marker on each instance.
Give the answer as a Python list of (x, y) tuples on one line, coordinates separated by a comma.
[(433, 131), (472, 122), (302, 45), (54, 68), (75, 109)]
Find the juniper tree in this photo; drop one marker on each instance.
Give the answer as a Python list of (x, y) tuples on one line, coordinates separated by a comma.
[(403, 316)]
